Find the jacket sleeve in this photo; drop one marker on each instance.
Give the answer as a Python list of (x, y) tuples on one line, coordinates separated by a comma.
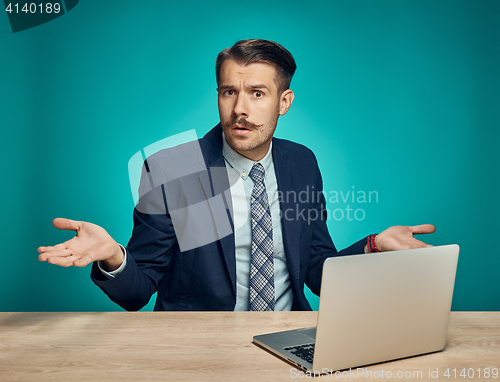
[(150, 249)]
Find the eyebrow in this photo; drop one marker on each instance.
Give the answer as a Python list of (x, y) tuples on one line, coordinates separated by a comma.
[(256, 86)]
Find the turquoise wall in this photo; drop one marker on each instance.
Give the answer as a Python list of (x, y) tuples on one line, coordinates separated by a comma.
[(396, 97)]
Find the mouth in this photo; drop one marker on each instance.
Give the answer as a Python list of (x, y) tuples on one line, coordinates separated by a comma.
[(240, 131), (240, 128)]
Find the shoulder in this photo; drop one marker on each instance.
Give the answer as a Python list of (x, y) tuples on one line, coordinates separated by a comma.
[(176, 162), (293, 151)]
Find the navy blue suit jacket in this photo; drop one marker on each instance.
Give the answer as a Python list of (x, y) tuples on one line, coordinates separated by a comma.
[(204, 278)]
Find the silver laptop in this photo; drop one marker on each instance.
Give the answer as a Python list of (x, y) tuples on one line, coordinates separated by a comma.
[(374, 308)]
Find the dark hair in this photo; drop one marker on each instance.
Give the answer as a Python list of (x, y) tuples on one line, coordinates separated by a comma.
[(247, 51)]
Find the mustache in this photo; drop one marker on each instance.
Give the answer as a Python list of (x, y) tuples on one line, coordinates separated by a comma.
[(242, 121)]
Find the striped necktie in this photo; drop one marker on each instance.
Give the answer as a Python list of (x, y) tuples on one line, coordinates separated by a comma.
[(262, 265)]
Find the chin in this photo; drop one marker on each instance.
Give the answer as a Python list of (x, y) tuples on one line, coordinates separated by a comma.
[(240, 144)]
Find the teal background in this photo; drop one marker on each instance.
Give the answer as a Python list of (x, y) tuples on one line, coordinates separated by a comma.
[(397, 97)]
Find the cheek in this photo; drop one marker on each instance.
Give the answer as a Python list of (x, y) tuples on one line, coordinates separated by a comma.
[(223, 108), (266, 111), (271, 113)]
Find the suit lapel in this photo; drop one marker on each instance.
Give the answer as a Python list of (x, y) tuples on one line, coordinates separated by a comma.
[(287, 181), (215, 181)]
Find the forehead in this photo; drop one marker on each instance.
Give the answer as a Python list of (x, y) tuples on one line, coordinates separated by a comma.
[(232, 73)]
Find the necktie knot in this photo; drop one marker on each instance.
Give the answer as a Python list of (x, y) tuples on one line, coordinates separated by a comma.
[(257, 173)]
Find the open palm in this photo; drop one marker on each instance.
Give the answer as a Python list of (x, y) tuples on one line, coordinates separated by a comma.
[(91, 243)]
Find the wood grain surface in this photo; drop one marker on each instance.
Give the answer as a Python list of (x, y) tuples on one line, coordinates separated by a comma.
[(209, 346)]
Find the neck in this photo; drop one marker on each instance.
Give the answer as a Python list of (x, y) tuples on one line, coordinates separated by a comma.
[(258, 153)]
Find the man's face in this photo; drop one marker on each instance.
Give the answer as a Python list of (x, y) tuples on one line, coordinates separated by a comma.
[(249, 106)]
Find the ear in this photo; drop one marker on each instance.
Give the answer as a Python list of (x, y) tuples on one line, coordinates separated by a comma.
[(286, 100)]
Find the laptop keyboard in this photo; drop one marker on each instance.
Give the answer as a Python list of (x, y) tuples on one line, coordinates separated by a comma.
[(306, 351)]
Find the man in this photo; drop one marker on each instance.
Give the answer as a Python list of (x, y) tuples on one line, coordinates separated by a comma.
[(260, 264)]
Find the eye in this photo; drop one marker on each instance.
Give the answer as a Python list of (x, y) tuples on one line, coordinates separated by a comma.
[(258, 94), (228, 92)]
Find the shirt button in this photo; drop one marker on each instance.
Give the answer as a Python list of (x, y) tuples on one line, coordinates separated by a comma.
[(244, 174)]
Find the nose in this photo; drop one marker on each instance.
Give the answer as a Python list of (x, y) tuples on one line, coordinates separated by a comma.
[(240, 106)]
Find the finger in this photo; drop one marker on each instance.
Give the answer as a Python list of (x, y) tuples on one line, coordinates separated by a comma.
[(57, 247), (62, 261), (62, 253), (423, 228), (67, 224)]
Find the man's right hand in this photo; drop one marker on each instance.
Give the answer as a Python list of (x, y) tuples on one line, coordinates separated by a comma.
[(91, 243)]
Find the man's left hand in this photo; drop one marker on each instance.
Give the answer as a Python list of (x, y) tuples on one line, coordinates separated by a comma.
[(401, 237)]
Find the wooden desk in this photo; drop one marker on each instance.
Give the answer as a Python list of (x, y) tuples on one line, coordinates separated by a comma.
[(208, 346)]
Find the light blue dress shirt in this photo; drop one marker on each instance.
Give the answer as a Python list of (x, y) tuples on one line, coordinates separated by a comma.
[(241, 193)]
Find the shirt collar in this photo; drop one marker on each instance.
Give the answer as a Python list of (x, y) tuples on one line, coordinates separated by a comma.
[(241, 164)]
